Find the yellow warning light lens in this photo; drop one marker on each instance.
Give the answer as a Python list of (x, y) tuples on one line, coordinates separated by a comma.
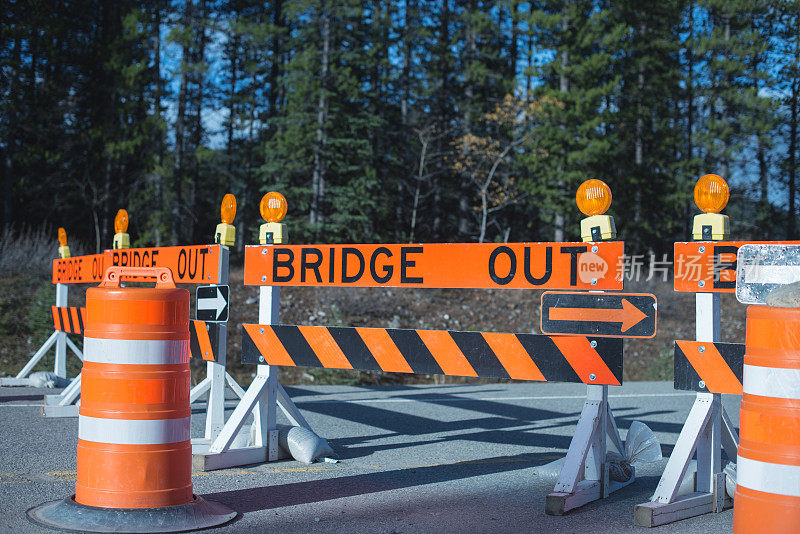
[(121, 222), (593, 197), (711, 193), (62, 237), (228, 208), (273, 207)]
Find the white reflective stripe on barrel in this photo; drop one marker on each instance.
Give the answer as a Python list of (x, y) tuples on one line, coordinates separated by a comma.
[(779, 479), (135, 351), (771, 382), (133, 431)]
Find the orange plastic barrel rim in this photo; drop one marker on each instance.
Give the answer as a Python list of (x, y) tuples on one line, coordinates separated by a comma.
[(114, 275)]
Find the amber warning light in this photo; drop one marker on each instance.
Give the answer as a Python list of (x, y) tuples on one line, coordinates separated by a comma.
[(273, 207), (121, 222), (593, 197), (121, 237), (225, 233), (63, 249), (711, 193), (228, 209)]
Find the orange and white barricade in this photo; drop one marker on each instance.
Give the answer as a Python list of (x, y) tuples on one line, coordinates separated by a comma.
[(134, 451)]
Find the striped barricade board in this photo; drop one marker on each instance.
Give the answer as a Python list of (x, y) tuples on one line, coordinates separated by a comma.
[(69, 319), (477, 354), (204, 340), (709, 367)]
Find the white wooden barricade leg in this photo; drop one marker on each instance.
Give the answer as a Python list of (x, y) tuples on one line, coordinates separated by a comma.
[(262, 398), (217, 379), (57, 338), (707, 431), (584, 476)]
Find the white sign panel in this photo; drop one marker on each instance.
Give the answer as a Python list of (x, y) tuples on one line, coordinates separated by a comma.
[(762, 268)]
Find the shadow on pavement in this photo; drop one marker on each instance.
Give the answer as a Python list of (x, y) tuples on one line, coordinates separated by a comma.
[(269, 497)]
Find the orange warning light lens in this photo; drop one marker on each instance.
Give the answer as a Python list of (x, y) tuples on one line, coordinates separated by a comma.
[(273, 207), (228, 208), (711, 193), (121, 222), (62, 237), (593, 197)]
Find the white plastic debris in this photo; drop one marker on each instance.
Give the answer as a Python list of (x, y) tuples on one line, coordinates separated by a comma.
[(300, 443), (730, 478), (44, 379), (641, 446), (304, 445)]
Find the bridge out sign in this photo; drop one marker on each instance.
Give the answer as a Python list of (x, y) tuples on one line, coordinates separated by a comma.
[(191, 264), (79, 269), (441, 265)]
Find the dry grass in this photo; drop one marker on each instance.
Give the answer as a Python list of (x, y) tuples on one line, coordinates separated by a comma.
[(29, 251)]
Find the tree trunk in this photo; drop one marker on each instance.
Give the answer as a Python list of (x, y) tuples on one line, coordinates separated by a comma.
[(405, 85), (639, 139), (275, 66), (689, 105), (316, 218), (563, 87), (763, 182), (469, 95), (158, 178), (725, 160), (791, 228), (180, 134), (234, 58), (190, 221)]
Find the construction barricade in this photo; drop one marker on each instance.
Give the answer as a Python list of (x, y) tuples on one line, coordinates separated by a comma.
[(593, 359), (192, 264), (134, 450), (708, 268), (705, 267)]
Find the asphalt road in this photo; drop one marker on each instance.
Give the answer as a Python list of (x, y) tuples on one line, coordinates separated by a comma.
[(413, 459)]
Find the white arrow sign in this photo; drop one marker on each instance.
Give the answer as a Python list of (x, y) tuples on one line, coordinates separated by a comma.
[(212, 303)]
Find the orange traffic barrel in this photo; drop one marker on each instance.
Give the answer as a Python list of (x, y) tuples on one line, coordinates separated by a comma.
[(767, 495), (134, 444)]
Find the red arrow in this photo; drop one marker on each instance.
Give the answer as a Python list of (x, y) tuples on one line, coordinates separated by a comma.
[(629, 315)]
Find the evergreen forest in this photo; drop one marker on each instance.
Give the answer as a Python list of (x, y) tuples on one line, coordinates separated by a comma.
[(396, 120)]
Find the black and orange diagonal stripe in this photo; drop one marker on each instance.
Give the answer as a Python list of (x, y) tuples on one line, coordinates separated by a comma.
[(204, 340), (69, 319), (478, 354), (719, 366)]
